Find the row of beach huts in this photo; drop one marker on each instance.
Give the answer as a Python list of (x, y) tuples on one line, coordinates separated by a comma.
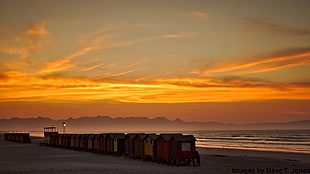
[(172, 149), (17, 137)]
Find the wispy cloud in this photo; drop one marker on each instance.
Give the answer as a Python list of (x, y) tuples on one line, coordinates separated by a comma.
[(181, 35), (26, 42), (106, 38), (140, 61), (269, 27), (92, 67), (263, 64), (199, 14)]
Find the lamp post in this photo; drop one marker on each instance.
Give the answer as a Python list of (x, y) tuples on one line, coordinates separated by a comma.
[(64, 124)]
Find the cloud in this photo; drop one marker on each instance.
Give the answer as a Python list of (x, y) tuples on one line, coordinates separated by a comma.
[(181, 35), (26, 42), (288, 58), (268, 27), (105, 38), (92, 67), (199, 15), (173, 90)]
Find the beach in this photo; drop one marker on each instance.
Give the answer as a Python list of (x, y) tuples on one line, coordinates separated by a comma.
[(32, 158)]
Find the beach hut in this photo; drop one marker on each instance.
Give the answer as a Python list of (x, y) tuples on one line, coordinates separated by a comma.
[(67, 141), (76, 141), (109, 143), (119, 143), (72, 141), (96, 143), (18, 137), (48, 131), (164, 147), (150, 147), (52, 140), (183, 149), (82, 142), (59, 143), (90, 142), (57, 140), (129, 148), (138, 145), (103, 143)]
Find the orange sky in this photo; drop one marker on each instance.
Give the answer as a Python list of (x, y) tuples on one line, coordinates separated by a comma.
[(194, 60)]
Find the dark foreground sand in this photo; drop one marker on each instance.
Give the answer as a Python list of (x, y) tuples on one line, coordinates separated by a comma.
[(35, 159)]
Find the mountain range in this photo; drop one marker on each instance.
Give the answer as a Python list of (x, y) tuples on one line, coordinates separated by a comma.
[(123, 124)]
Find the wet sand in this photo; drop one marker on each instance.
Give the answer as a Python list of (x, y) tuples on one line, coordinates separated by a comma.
[(35, 159)]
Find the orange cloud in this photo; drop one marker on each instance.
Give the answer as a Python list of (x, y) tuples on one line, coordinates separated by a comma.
[(178, 90), (272, 63), (181, 35), (92, 67), (199, 15), (280, 66), (24, 43)]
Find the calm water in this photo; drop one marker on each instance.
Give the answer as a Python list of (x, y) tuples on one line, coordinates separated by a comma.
[(276, 140)]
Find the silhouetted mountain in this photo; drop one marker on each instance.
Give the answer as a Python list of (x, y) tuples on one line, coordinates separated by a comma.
[(122, 124)]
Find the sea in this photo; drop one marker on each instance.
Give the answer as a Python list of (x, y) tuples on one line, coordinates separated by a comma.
[(265, 140)]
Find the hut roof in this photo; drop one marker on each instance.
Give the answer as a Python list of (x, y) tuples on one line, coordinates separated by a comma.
[(169, 136), (141, 135), (153, 136), (119, 135), (185, 138), (131, 135), (90, 135), (104, 134)]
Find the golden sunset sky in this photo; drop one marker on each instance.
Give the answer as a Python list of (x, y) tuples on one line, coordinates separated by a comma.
[(234, 61)]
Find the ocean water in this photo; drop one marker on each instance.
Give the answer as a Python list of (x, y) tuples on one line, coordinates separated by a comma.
[(272, 140), (267, 140)]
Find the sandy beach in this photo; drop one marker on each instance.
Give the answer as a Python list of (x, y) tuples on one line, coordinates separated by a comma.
[(32, 158)]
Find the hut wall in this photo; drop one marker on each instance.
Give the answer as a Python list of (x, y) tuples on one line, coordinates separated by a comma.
[(90, 142), (115, 145), (138, 147), (102, 143), (148, 146), (185, 150), (59, 140), (72, 141), (96, 142), (76, 141), (128, 146), (81, 139), (109, 144), (163, 148)]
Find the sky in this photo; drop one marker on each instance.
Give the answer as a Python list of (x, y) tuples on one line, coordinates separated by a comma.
[(234, 61)]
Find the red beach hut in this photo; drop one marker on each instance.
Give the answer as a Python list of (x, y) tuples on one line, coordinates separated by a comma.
[(96, 142), (164, 147), (183, 148)]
